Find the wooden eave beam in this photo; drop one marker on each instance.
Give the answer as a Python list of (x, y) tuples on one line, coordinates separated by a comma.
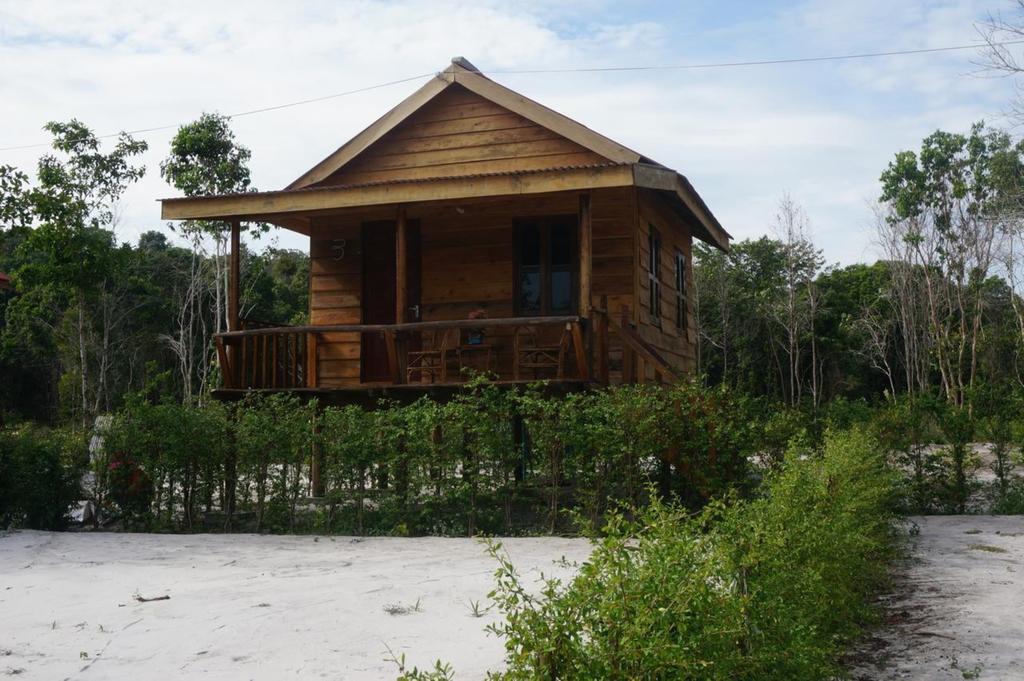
[(667, 180), (274, 206), (302, 225)]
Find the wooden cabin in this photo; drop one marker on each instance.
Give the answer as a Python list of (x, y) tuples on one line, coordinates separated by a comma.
[(472, 230)]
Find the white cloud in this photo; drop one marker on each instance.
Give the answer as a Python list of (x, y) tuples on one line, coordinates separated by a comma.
[(823, 132)]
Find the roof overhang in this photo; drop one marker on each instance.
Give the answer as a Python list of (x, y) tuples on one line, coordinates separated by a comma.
[(707, 227), (292, 209)]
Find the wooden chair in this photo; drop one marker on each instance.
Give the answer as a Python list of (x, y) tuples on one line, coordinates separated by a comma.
[(538, 350), (431, 360)]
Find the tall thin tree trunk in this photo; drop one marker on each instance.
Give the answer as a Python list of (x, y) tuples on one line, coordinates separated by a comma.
[(82, 358)]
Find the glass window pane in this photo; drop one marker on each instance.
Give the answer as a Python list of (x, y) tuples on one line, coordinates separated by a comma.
[(561, 245), (561, 290), (529, 289), (529, 245)]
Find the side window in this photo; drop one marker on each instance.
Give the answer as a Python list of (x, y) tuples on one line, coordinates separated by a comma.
[(654, 274), (680, 291)]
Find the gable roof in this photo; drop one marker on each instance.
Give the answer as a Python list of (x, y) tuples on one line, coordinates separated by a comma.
[(464, 75), (365, 171)]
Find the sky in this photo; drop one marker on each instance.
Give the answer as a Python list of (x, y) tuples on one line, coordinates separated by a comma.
[(821, 132)]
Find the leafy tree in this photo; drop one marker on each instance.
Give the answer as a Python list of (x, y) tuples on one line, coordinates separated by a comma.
[(849, 295), (945, 203), (740, 294), (15, 202), (71, 258), (276, 285), (204, 159), (15, 219)]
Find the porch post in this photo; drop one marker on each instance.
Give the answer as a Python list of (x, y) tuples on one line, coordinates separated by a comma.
[(396, 342), (586, 255), (229, 361), (231, 355), (401, 262), (234, 276)]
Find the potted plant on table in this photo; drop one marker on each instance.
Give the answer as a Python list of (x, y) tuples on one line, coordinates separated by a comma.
[(475, 336)]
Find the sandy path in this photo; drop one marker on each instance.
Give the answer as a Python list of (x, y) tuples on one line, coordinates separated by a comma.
[(247, 606), (958, 610)]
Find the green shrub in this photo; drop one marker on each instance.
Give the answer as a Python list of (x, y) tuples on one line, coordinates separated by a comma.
[(762, 589), (178, 449), (779, 426), (905, 429), (715, 435), (274, 436), (958, 426), (842, 413), (40, 472), (811, 552)]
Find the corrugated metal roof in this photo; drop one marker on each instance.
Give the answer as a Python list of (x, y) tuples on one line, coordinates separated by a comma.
[(437, 178)]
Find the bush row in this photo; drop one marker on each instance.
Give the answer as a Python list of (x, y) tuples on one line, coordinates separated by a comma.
[(765, 588), (489, 460)]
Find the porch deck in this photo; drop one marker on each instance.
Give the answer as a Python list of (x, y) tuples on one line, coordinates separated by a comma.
[(566, 352)]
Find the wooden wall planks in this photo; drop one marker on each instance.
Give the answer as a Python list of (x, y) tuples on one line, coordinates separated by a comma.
[(461, 133), (679, 347), (468, 264)]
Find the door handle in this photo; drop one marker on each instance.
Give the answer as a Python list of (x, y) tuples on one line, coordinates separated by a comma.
[(415, 309)]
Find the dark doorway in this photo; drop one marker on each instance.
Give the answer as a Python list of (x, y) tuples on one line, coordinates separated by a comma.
[(378, 296)]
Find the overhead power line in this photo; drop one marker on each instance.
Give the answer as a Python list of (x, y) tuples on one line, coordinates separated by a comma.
[(765, 62), (595, 69), (238, 114)]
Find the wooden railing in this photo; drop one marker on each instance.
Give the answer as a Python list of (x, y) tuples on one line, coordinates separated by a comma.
[(285, 357), (262, 356), (636, 352)]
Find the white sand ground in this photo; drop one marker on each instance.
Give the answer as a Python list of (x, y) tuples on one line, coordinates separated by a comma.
[(272, 607), (957, 611), (248, 606)]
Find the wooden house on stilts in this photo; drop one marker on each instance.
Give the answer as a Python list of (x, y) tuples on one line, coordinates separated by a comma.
[(472, 228)]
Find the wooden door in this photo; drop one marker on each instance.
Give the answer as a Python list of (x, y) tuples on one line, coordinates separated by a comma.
[(378, 299), (378, 295)]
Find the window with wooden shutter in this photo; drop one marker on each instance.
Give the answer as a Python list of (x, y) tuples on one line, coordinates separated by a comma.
[(654, 274), (680, 291)]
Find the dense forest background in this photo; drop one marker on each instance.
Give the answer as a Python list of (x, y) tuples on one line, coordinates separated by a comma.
[(91, 319)]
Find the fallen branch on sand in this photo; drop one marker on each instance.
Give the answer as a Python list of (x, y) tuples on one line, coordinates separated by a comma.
[(143, 599)]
